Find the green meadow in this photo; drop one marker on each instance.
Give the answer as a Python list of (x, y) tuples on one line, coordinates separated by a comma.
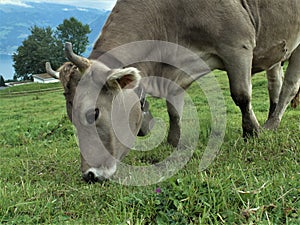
[(252, 182)]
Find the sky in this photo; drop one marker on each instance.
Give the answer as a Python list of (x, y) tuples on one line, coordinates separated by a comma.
[(6, 63), (98, 4)]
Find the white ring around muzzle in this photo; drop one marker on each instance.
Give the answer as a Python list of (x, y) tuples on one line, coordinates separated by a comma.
[(102, 173)]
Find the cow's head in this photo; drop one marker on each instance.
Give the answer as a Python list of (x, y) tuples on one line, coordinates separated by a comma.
[(107, 108)]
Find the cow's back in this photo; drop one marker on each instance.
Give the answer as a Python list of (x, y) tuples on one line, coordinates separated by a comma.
[(205, 26)]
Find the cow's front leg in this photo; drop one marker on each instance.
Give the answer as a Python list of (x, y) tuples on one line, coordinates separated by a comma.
[(238, 66), (175, 109), (275, 77), (242, 99)]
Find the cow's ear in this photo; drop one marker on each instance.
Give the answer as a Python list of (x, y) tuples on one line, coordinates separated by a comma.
[(127, 78)]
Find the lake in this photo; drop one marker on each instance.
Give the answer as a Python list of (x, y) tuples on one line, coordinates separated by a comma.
[(6, 66)]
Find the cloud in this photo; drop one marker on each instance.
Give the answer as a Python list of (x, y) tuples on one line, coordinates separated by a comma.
[(14, 2), (104, 4)]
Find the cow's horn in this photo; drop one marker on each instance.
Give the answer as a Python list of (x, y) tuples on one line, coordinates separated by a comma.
[(51, 72), (81, 62)]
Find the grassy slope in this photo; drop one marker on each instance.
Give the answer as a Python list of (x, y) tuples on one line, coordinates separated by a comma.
[(249, 183)]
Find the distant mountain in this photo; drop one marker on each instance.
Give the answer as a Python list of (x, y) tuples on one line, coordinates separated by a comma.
[(16, 21)]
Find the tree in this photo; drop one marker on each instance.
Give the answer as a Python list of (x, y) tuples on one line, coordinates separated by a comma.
[(41, 46), (45, 45), (75, 32), (2, 82)]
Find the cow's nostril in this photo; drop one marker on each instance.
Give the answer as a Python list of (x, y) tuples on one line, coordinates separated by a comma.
[(92, 115), (90, 177)]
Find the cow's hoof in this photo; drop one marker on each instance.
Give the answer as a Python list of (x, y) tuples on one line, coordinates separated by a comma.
[(271, 124), (251, 133), (173, 141)]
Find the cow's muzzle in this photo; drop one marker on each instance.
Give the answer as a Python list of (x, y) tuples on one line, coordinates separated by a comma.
[(94, 175), (91, 178)]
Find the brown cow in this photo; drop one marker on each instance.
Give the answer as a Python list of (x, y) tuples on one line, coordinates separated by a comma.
[(241, 37)]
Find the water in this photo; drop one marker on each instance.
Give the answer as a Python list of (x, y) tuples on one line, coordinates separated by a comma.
[(6, 67)]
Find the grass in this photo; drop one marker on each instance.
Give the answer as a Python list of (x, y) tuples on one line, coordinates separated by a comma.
[(29, 87), (254, 182)]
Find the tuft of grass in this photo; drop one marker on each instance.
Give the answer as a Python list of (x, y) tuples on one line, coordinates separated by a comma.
[(253, 182)]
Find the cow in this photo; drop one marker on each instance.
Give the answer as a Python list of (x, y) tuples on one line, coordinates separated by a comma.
[(241, 37), (296, 100)]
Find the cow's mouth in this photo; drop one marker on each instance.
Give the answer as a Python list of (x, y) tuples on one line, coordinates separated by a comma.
[(91, 178), (94, 175)]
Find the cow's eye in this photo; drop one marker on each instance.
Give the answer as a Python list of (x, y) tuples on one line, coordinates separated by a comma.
[(92, 115)]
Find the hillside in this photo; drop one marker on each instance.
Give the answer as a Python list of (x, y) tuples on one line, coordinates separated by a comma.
[(16, 21)]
